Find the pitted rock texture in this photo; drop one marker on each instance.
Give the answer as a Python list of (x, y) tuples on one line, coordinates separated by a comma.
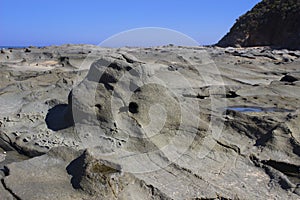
[(146, 117)]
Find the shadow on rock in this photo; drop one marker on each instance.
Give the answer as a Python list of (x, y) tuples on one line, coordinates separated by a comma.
[(59, 117), (76, 170)]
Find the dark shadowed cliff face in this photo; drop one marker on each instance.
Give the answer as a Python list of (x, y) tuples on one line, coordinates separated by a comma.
[(270, 23)]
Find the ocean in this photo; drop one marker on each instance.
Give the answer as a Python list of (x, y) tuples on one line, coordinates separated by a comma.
[(13, 47)]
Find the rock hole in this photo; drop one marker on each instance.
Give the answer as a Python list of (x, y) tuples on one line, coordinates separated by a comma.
[(107, 78), (98, 106), (63, 59), (231, 94), (172, 68), (133, 107), (201, 96), (115, 66), (288, 78)]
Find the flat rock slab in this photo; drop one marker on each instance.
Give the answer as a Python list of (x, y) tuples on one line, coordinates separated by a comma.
[(43, 177)]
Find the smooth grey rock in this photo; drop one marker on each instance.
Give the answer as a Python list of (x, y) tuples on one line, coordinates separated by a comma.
[(66, 174), (4, 194), (43, 177)]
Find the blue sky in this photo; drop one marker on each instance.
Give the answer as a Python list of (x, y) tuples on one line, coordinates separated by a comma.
[(55, 22)]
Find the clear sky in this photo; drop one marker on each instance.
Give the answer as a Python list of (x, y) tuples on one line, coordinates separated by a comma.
[(55, 22)]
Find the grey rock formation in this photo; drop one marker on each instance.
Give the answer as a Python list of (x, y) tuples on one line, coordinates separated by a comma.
[(4, 194), (43, 177), (157, 123), (131, 108), (270, 23), (66, 174)]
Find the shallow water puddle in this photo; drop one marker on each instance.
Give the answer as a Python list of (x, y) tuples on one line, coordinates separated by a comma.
[(257, 109)]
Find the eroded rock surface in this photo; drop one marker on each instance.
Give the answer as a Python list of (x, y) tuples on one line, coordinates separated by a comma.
[(156, 123), (67, 174)]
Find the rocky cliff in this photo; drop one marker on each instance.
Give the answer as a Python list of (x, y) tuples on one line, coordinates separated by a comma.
[(273, 23)]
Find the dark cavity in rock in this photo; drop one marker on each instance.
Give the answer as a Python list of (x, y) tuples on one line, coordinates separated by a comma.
[(133, 107)]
